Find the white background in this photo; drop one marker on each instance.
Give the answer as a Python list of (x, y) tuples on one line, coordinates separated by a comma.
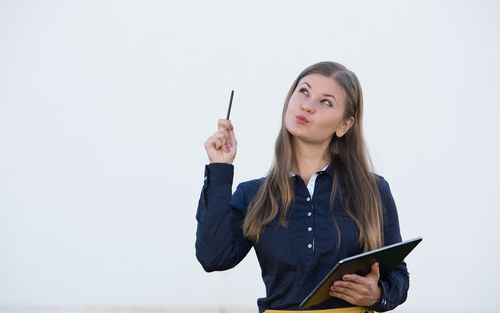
[(105, 106)]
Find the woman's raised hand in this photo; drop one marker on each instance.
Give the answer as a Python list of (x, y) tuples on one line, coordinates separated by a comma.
[(221, 146)]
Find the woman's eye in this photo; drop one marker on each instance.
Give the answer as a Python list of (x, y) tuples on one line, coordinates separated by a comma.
[(328, 103), (304, 91)]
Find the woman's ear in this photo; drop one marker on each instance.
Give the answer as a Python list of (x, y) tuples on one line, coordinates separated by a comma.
[(344, 127)]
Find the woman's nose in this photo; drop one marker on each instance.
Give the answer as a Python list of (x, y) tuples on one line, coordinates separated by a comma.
[(308, 106)]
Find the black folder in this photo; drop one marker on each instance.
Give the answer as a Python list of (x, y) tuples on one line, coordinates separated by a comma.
[(388, 258)]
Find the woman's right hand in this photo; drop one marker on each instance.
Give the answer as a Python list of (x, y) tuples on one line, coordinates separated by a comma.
[(221, 146)]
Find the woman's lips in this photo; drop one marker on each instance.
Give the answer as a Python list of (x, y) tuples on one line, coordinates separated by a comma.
[(301, 119)]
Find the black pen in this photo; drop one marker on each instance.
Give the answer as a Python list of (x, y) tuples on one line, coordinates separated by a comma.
[(230, 103)]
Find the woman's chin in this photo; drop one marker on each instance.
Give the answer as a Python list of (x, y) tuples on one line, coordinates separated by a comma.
[(298, 129), (307, 139), (299, 133)]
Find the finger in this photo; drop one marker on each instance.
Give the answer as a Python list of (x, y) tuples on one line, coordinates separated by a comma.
[(375, 272), (352, 292), (354, 278), (232, 137), (212, 142), (343, 285), (344, 296), (224, 123), (217, 143), (351, 289), (343, 290), (227, 139), (222, 138), (224, 131)]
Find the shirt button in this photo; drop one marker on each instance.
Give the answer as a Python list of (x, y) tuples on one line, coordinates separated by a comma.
[(310, 229), (308, 199), (309, 213), (309, 246)]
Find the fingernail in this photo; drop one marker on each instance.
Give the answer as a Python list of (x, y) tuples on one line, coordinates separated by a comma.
[(230, 143), (231, 126), (227, 149)]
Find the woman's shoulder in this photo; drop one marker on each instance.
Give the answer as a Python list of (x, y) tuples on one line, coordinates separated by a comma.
[(385, 192), (251, 186), (386, 197), (382, 183), (246, 191)]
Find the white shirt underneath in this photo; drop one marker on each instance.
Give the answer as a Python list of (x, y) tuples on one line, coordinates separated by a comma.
[(312, 181)]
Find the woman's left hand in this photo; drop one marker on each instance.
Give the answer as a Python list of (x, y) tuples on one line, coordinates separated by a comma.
[(358, 290)]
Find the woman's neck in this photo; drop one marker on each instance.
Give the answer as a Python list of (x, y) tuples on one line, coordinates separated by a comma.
[(309, 158)]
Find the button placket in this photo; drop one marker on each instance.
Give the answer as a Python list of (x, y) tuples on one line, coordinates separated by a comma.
[(309, 226)]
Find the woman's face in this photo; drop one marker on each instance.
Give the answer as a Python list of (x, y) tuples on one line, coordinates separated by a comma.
[(316, 109)]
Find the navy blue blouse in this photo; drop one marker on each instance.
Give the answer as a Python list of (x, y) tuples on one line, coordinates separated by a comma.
[(293, 259)]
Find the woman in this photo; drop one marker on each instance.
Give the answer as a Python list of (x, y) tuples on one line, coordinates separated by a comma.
[(318, 204)]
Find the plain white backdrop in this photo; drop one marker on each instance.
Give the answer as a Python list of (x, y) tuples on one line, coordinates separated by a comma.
[(105, 106)]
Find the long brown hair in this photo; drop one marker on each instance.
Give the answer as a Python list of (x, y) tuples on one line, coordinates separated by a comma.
[(348, 158)]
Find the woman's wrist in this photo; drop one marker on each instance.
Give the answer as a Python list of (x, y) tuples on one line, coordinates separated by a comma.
[(219, 173)]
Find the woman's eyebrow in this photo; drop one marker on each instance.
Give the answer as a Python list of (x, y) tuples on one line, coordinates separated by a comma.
[(330, 96), (326, 95)]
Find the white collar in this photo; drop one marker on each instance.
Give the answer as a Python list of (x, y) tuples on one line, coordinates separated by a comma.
[(324, 168)]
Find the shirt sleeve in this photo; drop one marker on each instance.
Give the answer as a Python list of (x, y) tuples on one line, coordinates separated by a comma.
[(395, 285), (220, 244)]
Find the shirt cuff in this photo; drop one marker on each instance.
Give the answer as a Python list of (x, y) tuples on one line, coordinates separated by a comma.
[(381, 305), (219, 173)]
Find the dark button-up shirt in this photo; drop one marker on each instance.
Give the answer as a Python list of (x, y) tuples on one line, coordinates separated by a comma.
[(293, 259)]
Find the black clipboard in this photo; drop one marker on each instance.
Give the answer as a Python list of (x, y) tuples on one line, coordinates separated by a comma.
[(388, 258)]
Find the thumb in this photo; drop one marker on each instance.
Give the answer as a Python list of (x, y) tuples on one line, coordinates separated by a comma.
[(375, 272), (232, 137)]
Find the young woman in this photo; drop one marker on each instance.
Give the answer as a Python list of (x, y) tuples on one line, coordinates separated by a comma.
[(319, 203)]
